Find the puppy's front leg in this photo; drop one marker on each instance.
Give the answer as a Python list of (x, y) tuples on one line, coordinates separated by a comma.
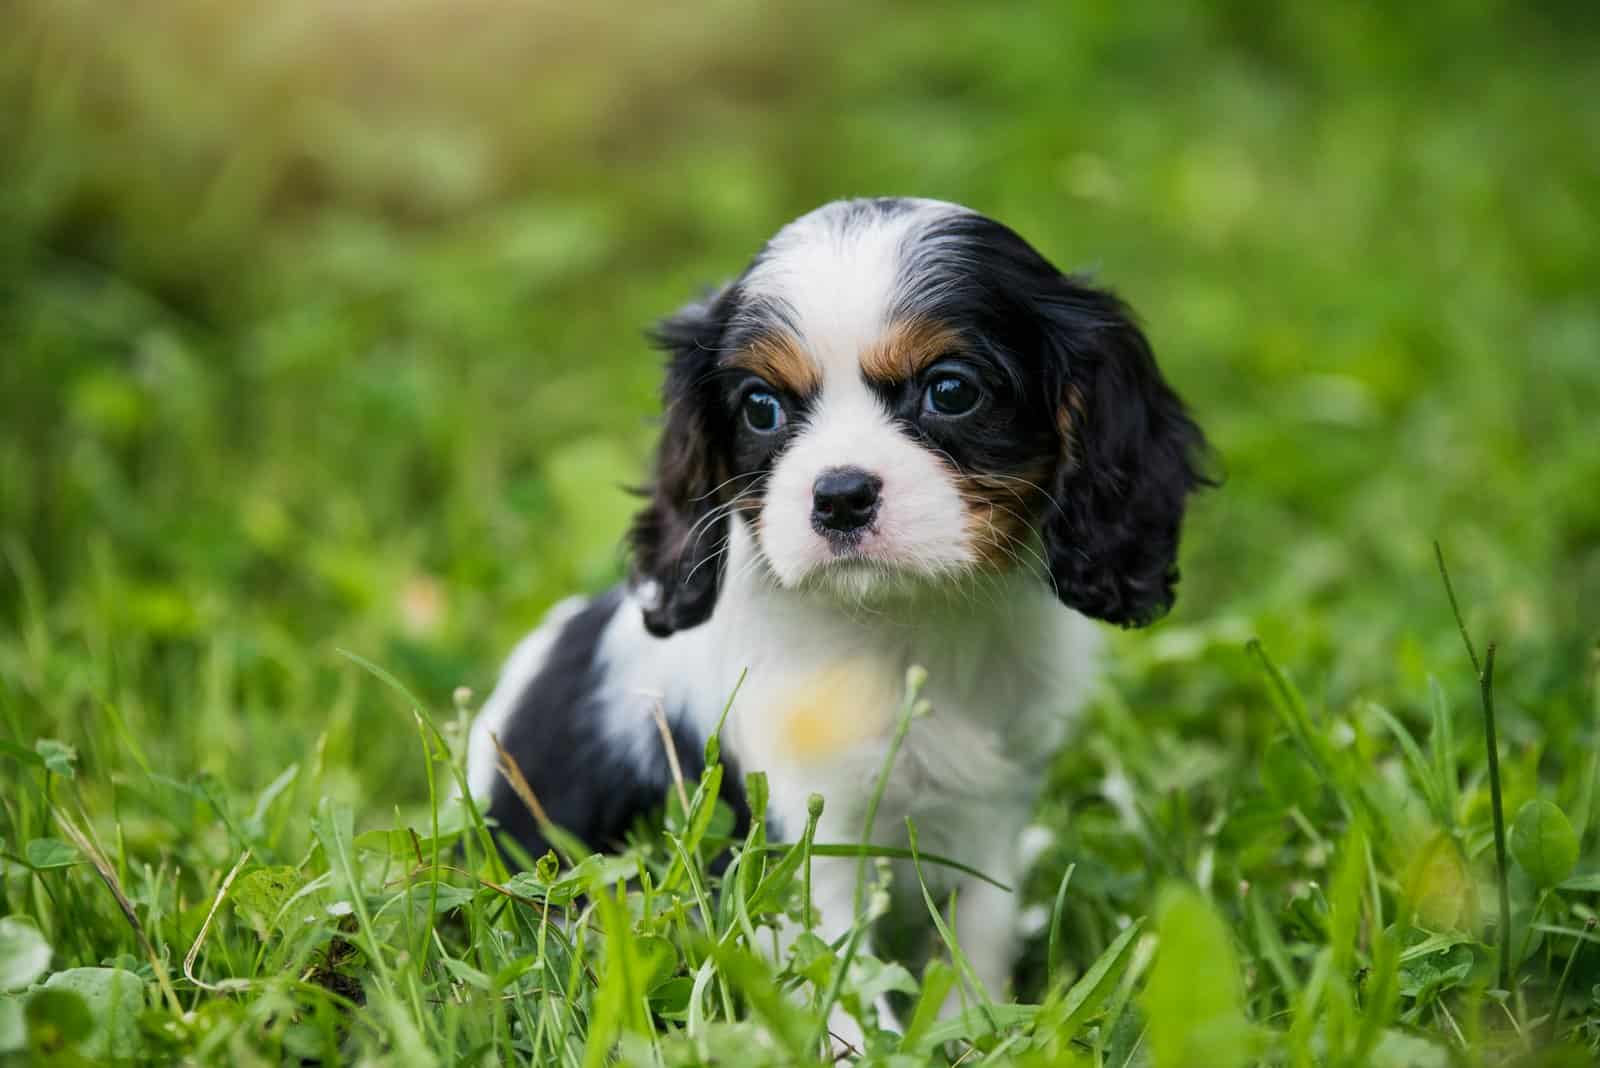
[(986, 929), (986, 918)]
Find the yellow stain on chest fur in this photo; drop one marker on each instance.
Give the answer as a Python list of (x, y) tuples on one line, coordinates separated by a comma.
[(836, 709)]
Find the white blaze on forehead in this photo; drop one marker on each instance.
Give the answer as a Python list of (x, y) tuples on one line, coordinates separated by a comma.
[(838, 272)]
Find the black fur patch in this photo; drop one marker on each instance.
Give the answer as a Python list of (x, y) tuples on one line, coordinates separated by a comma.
[(678, 544), (585, 785)]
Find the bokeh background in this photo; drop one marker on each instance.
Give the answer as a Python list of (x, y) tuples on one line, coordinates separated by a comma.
[(321, 327)]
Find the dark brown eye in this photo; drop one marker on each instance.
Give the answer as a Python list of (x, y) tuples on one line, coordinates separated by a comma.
[(951, 395), (763, 412)]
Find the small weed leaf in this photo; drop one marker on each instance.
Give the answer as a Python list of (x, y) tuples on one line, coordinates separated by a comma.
[(1399, 1049), (55, 1020), (259, 897), (774, 888), (1581, 884), (13, 1025), (592, 873), (113, 999), (1439, 886), (1435, 943), (59, 757), (24, 954), (1543, 843), (670, 1000), (870, 978), (465, 973), (812, 958), (979, 1022), (1194, 1000), (398, 845), (1425, 978), (658, 961), (45, 853)]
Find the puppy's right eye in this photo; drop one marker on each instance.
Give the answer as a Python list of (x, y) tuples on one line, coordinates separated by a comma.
[(763, 412)]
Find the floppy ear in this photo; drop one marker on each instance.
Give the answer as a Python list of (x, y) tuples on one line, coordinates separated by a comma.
[(678, 549), (1130, 459)]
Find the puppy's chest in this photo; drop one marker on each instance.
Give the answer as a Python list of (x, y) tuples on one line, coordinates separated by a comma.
[(829, 713), (824, 711)]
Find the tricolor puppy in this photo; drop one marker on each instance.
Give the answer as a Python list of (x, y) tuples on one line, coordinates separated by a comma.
[(899, 437)]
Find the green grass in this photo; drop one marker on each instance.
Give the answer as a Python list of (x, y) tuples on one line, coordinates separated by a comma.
[(317, 333)]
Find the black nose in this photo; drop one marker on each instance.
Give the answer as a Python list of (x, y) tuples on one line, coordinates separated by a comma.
[(844, 499)]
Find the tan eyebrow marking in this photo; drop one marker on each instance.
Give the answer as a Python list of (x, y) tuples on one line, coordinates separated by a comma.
[(906, 348), (780, 360)]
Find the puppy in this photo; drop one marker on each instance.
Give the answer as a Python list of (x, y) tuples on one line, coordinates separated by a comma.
[(900, 437)]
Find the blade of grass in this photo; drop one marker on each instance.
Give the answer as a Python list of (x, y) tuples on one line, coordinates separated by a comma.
[(1420, 767), (910, 709), (938, 978), (1054, 951), (964, 966), (1269, 943), (1442, 744), (486, 841), (108, 875), (1566, 976), (1486, 696), (1497, 807), (1097, 983)]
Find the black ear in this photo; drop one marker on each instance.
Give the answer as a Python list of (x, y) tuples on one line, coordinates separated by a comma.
[(1130, 459), (678, 546)]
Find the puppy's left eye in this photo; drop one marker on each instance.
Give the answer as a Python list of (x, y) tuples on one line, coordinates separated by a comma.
[(951, 394)]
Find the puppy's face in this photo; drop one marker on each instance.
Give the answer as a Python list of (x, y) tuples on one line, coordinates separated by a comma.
[(901, 392), (884, 432)]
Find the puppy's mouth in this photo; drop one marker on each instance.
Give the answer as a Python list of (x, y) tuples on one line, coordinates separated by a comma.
[(864, 561), (863, 547), (847, 545)]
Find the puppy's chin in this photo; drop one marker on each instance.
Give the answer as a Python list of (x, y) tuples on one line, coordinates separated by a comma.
[(870, 572)]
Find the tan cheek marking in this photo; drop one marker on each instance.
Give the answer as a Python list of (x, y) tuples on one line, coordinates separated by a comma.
[(1000, 510), (780, 360), (839, 707), (906, 348), (1001, 513)]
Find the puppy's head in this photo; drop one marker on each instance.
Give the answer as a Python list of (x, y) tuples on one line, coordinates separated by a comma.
[(903, 392)]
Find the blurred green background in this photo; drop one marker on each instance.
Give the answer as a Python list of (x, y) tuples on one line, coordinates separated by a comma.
[(321, 327)]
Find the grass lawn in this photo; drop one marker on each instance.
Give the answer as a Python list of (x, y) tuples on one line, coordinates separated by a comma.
[(321, 371)]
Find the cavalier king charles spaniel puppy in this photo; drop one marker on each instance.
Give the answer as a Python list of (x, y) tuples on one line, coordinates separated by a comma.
[(901, 437)]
